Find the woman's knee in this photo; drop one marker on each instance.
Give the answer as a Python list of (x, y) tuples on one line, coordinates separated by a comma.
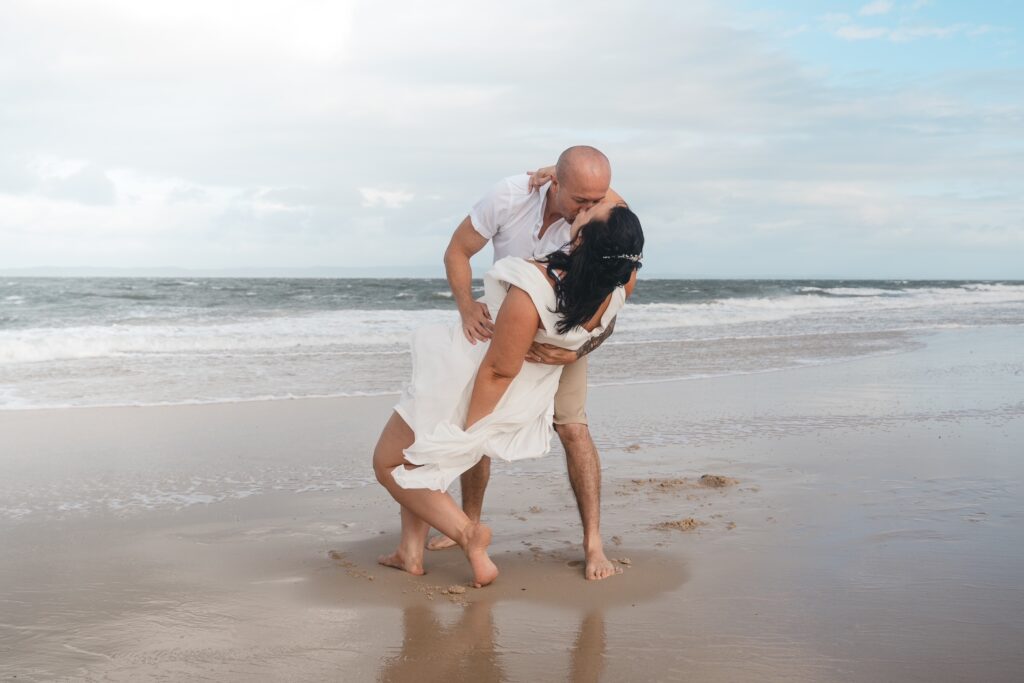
[(388, 454), (382, 473), (381, 465)]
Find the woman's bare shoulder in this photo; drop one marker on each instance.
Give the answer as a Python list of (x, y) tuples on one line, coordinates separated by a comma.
[(543, 268), (519, 306), (595, 321)]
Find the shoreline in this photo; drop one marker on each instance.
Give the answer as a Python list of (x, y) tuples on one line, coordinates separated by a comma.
[(915, 340)]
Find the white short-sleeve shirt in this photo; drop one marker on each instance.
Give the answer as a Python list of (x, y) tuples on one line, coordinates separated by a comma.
[(511, 216)]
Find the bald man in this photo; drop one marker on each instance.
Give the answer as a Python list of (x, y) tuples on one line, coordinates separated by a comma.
[(531, 222)]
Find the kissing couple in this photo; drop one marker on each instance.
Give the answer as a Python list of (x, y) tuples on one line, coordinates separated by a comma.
[(566, 253)]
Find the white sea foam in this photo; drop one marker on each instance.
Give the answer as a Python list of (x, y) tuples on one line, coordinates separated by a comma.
[(162, 354), (862, 291), (15, 403), (10, 400), (765, 309), (126, 497), (374, 331), (334, 330)]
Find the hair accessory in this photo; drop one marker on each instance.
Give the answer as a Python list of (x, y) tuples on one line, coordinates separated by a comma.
[(635, 258)]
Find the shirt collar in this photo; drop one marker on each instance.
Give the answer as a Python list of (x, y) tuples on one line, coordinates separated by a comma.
[(539, 222)]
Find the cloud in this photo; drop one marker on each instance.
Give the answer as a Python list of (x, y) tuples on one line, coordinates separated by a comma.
[(835, 18), (904, 35), (875, 8), (391, 199), (853, 32), (151, 134)]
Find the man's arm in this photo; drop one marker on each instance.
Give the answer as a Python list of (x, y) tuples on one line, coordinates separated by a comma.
[(476, 319), (592, 344), (556, 355)]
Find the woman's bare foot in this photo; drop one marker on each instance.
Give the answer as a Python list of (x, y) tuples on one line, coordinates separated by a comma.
[(440, 542), (478, 537), (401, 560)]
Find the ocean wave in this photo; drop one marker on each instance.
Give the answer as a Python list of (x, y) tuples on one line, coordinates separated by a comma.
[(862, 291), (387, 330), (10, 401), (335, 331), (852, 291), (734, 311), (127, 497)]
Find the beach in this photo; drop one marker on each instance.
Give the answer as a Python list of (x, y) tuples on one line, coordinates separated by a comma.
[(862, 523)]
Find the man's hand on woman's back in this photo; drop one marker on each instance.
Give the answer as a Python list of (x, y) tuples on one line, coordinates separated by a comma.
[(477, 324)]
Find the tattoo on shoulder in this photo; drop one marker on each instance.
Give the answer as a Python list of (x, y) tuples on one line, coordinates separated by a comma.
[(592, 344)]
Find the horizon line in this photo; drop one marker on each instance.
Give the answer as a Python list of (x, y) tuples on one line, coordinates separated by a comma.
[(410, 272)]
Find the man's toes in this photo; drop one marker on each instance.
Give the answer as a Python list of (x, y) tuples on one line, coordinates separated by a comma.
[(603, 570), (440, 543), (391, 560)]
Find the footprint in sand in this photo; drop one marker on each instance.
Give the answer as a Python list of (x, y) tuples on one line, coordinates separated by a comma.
[(686, 524)]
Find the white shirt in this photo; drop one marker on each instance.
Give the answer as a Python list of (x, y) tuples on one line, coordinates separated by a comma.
[(511, 216)]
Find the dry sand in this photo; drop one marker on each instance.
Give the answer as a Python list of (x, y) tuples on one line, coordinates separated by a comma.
[(863, 524)]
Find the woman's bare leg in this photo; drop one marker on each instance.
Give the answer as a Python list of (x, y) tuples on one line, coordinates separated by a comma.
[(431, 508)]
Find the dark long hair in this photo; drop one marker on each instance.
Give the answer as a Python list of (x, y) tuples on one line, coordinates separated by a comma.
[(595, 267)]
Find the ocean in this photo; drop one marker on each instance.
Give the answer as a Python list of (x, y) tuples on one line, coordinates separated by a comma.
[(70, 342)]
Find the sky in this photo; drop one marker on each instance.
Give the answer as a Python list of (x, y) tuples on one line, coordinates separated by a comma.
[(798, 138)]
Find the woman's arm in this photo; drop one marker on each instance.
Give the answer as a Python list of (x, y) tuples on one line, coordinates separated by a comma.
[(514, 331), (545, 174)]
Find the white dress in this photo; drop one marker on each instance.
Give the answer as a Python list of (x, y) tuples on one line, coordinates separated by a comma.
[(436, 401)]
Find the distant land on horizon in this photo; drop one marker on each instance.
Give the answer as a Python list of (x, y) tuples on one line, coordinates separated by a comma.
[(402, 272)]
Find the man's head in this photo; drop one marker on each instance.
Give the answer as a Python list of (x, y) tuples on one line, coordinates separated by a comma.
[(582, 177)]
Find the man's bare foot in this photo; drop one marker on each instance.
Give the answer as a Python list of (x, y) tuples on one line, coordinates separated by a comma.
[(478, 537), (598, 566), (400, 560), (440, 542)]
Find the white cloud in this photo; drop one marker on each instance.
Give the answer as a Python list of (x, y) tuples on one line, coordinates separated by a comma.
[(907, 34), (47, 167), (875, 8), (835, 18), (152, 134), (391, 199), (854, 32)]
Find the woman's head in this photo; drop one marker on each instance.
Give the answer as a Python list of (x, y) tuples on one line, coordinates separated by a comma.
[(607, 244)]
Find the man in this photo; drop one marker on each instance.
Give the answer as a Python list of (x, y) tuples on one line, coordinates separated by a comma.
[(530, 223)]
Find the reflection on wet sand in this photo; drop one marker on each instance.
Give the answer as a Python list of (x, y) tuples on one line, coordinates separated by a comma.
[(466, 650), (588, 652)]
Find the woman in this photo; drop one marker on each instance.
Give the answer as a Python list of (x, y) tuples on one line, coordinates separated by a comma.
[(466, 401)]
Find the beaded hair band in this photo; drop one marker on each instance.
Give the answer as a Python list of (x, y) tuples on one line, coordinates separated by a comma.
[(635, 258)]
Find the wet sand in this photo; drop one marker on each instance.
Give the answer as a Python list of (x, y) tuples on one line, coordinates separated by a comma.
[(863, 524)]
